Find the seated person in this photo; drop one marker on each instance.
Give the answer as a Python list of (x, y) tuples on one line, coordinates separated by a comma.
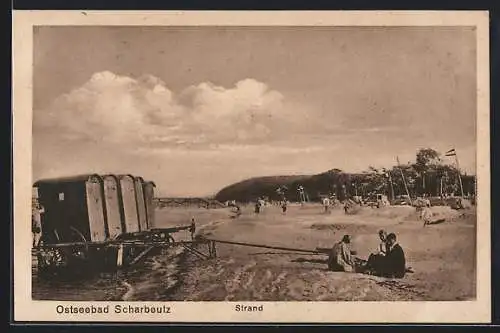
[(382, 247), (393, 264), (375, 259), (341, 257)]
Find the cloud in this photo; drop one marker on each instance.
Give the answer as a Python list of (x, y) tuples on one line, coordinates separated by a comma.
[(145, 112), (205, 134)]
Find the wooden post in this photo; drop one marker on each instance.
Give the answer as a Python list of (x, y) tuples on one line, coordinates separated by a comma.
[(119, 257), (423, 183), (441, 187), (404, 181), (459, 176), (391, 185)]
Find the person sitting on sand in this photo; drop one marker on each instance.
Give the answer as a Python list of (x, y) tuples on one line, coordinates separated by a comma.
[(393, 264), (382, 247), (341, 259), (375, 259)]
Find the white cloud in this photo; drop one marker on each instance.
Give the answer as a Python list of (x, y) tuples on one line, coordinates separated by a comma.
[(144, 111), (204, 135)]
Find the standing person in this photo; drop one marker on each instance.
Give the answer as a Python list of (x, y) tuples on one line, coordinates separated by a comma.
[(257, 207), (35, 229), (262, 204), (326, 204), (36, 223), (333, 200), (284, 205), (341, 259), (346, 207), (426, 215)]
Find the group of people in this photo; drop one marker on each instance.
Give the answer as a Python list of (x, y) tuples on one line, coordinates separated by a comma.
[(387, 261), (261, 203)]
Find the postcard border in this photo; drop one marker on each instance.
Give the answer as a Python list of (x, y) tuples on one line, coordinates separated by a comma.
[(278, 312)]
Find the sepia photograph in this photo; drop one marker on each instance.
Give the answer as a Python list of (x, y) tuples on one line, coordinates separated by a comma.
[(252, 164)]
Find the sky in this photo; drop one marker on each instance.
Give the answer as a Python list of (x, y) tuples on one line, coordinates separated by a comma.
[(198, 108)]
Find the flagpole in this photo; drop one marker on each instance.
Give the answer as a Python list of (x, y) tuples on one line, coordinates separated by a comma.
[(441, 187), (459, 176), (453, 152), (392, 186), (404, 181)]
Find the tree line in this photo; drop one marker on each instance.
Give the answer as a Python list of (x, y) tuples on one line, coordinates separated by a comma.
[(429, 175)]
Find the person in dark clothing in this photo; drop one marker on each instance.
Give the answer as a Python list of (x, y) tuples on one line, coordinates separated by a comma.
[(394, 262), (390, 265), (284, 205), (257, 207)]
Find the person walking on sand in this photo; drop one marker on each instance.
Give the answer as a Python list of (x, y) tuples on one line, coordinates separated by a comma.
[(341, 259)]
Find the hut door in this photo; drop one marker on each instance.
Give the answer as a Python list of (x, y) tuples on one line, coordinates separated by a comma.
[(129, 204), (112, 207), (148, 197), (141, 206), (96, 212)]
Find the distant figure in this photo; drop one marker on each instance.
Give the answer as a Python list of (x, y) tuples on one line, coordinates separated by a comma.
[(333, 200), (257, 207), (346, 207), (426, 215), (326, 204), (262, 204), (35, 229), (284, 205), (341, 259), (236, 210), (36, 223)]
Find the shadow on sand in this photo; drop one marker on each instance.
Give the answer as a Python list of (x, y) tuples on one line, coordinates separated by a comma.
[(310, 260), (436, 222)]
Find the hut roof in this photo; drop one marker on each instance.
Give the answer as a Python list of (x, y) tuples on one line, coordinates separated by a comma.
[(62, 180)]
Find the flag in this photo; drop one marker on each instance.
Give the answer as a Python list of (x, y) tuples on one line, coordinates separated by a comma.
[(451, 152)]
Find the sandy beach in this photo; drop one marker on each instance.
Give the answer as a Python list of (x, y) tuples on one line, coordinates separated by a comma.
[(442, 257)]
